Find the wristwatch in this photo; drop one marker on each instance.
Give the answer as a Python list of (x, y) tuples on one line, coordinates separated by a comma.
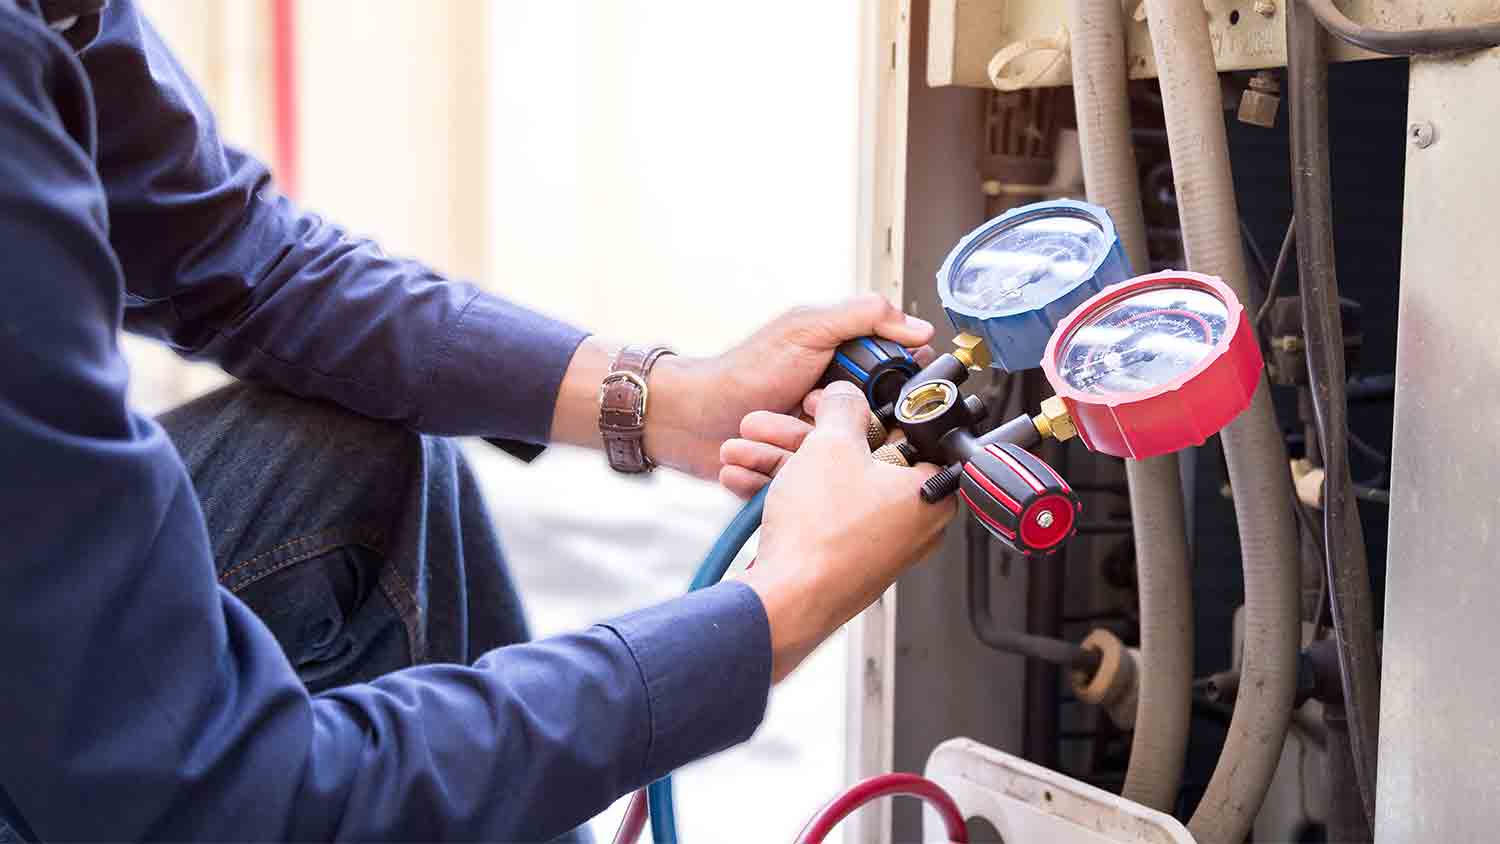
[(622, 408)]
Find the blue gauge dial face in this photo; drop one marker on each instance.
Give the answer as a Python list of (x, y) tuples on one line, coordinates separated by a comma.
[(1146, 340), (1027, 265)]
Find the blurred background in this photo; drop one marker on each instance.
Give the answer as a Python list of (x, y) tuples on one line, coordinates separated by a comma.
[(667, 171)]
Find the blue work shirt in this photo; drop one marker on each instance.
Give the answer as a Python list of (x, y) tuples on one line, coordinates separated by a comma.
[(138, 699)]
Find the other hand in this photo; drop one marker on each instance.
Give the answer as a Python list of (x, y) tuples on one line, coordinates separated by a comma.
[(839, 528)]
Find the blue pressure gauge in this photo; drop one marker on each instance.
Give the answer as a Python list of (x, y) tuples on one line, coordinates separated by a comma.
[(1012, 280)]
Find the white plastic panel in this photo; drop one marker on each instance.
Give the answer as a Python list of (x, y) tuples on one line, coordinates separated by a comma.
[(1029, 804)]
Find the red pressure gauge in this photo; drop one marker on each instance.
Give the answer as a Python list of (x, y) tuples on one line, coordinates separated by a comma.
[(1154, 364)]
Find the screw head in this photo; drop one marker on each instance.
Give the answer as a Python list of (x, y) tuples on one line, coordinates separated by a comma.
[(1423, 135), (1265, 8), (1045, 518)]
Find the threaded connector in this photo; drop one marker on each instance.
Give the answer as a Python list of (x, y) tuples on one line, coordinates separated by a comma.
[(896, 454), (943, 484), (875, 432), (886, 413)]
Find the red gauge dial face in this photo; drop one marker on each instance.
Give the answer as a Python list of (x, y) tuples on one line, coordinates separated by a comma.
[(1155, 364), (1144, 341)]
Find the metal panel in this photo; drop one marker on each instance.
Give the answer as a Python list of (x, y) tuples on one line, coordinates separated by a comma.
[(965, 34), (945, 683), (880, 237), (1439, 733)]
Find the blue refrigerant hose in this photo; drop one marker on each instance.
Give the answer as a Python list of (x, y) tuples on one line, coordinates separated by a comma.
[(710, 571)]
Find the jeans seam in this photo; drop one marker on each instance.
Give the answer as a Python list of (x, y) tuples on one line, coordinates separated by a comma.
[(323, 540), (408, 610)]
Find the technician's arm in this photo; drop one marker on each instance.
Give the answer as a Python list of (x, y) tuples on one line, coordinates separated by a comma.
[(138, 701), (221, 266)]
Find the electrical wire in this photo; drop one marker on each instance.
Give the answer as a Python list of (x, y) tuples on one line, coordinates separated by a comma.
[(1409, 42), (1260, 257), (887, 785), (1274, 285), (743, 526)]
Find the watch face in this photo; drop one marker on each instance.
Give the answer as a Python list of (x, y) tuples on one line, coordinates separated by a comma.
[(1028, 264), (1143, 341)]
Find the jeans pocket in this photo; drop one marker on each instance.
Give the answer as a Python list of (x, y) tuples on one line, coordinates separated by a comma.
[(327, 609)]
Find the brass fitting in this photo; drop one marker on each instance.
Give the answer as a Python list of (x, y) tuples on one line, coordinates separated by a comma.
[(896, 454), (875, 432), (1261, 100), (1054, 421), (971, 351)]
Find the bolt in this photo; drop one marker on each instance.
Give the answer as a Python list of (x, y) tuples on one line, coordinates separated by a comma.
[(1423, 135), (942, 485), (1265, 8), (1044, 518)]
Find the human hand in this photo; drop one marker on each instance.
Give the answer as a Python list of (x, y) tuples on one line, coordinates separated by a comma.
[(704, 400), (839, 528)]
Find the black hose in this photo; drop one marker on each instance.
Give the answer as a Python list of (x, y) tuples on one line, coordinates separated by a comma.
[(1372, 388), (1346, 818), (1408, 42), (982, 620), (1348, 568)]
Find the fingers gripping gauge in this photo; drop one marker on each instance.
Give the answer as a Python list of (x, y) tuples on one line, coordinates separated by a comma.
[(1019, 499), (1013, 279), (878, 367), (1154, 365)]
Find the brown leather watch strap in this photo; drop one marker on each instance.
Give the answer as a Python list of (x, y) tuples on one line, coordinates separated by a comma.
[(622, 408)]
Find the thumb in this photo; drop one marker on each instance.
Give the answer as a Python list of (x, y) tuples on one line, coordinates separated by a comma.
[(862, 316), (843, 413)]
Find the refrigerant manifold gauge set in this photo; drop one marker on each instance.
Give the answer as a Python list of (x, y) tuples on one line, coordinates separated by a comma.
[(1141, 366)]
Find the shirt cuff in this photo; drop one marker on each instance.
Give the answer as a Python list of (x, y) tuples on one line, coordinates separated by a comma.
[(498, 373), (705, 659)]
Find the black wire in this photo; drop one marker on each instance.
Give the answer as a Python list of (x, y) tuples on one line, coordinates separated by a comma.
[(1274, 285), (1410, 42), (1259, 256)]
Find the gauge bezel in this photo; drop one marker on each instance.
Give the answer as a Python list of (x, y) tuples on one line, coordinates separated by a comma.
[(1016, 336), (975, 241), (1179, 413), (1113, 296)]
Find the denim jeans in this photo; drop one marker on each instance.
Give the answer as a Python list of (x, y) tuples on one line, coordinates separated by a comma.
[(363, 546)]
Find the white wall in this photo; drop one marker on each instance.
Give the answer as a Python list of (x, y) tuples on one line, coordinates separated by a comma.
[(673, 169)]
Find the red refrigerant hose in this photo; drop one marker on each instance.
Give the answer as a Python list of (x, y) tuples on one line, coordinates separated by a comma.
[(634, 820), (817, 829), (284, 94), (886, 785)]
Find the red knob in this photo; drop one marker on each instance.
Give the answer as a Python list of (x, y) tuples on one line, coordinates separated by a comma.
[(1021, 500)]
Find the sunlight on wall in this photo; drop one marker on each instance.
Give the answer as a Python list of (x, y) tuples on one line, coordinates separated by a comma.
[(673, 170)]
